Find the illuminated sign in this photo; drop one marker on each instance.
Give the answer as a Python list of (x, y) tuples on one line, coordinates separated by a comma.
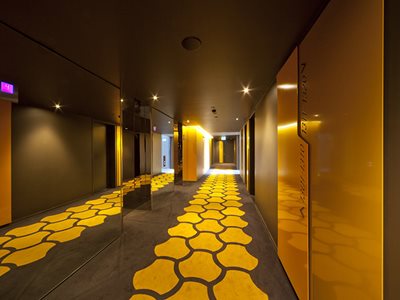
[(7, 88), (8, 92)]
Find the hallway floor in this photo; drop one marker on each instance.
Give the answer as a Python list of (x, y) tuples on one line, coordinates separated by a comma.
[(203, 240)]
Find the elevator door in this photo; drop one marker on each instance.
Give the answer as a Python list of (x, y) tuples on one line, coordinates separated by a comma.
[(99, 157), (229, 151)]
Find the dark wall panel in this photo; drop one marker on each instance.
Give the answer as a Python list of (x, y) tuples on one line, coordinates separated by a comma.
[(51, 159), (229, 151), (392, 150), (128, 155), (266, 160), (99, 157)]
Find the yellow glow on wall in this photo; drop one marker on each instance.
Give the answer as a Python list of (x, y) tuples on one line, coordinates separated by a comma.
[(220, 152), (196, 149), (118, 155), (288, 126), (207, 143)]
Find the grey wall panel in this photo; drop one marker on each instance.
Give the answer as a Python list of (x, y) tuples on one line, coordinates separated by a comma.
[(392, 150), (99, 157), (266, 160), (51, 159), (156, 154), (229, 151)]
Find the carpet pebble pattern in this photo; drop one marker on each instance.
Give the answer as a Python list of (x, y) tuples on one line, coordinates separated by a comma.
[(206, 255)]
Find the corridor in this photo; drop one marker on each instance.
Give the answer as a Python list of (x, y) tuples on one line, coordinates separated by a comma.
[(199, 149)]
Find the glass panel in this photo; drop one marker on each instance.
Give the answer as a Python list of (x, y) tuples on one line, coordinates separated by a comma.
[(57, 156), (162, 153)]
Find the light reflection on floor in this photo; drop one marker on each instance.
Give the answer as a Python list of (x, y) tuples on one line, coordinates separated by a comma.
[(24, 245)]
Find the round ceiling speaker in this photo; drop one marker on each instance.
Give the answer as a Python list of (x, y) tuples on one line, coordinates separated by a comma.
[(191, 43)]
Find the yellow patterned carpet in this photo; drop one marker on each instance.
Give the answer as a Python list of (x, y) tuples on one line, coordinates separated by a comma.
[(206, 255), (24, 245)]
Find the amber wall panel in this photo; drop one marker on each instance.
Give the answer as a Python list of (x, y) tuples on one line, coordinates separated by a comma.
[(265, 144), (189, 153), (5, 162), (341, 97), (292, 182)]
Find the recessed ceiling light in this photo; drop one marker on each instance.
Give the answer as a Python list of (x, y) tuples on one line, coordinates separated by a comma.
[(237, 119), (191, 43), (246, 90), (122, 100), (187, 121), (316, 115), (169, 122), (155, 97), (57, 106)]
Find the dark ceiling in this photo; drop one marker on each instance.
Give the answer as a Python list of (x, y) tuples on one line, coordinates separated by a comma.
[(136, 45)]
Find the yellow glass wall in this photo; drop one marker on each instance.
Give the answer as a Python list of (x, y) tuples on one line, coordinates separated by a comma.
[(292, 182), (341, 107)]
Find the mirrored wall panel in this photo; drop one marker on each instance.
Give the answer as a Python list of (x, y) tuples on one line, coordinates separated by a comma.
[(162, 153), (65, 204), (137, 155)]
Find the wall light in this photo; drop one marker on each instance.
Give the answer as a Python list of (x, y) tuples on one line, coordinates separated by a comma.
[(286, 126), (287, 86)]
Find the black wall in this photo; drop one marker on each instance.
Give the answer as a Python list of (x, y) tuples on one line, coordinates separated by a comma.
[(392, 150), (51, 159)]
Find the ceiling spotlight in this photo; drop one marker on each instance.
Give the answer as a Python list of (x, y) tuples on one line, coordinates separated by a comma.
[(57, 106), (237, 119), (246, 90), (122, 100), (155, 98)]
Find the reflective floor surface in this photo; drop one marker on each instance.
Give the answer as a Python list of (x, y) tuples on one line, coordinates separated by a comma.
[(203, 240)]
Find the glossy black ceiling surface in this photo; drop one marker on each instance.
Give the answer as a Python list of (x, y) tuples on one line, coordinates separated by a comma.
[(137, 45)]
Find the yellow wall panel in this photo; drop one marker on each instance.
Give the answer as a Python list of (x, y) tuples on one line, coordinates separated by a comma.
[(292, 182), (220, 152), (341, 97), (5, 162)]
